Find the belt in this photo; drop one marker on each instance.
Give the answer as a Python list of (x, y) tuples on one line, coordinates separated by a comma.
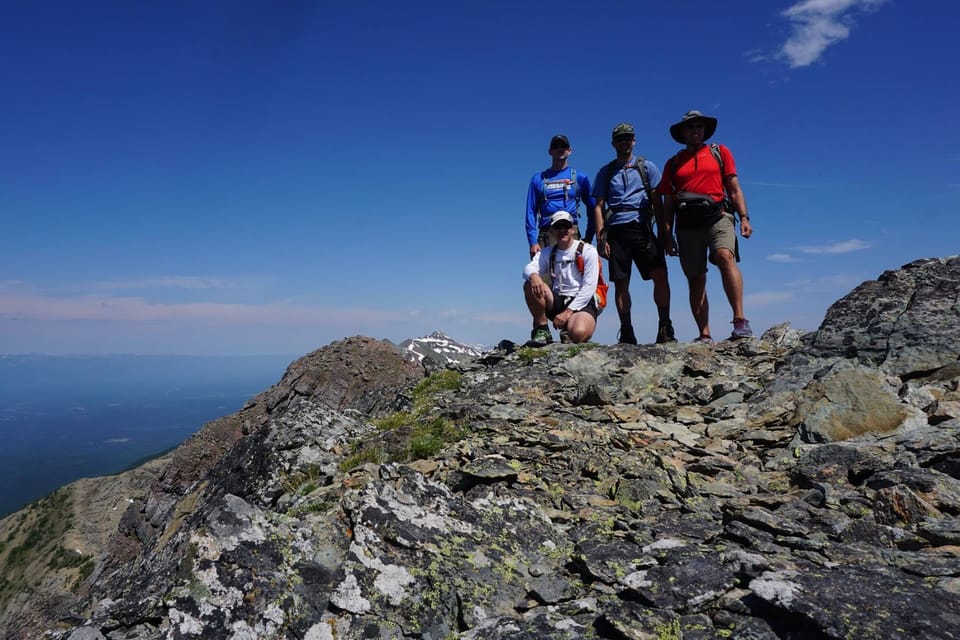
[(622, 209)]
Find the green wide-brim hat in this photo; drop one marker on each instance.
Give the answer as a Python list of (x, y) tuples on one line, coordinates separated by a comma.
[(709, 126)]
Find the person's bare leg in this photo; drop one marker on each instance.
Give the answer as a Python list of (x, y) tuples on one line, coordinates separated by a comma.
[(537, 305), (732, 281), (699, 305), (580, 327)]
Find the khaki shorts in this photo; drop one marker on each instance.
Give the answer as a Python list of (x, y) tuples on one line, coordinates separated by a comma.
[(694, 243)]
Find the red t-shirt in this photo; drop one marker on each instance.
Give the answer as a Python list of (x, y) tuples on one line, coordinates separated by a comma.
[(698, 172)]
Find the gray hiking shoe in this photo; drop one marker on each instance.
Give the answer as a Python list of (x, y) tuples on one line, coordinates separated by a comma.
[(741, 329), (665, 333), (541, 336), (565, 337)]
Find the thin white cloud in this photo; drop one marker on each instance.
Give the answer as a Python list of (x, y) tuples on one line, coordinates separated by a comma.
[(847, 246), (818, 24), (30, 306), (804, 289), (843, 282), (768, 298), (189, 283), (791, 185), (781, 257), (11, 285)]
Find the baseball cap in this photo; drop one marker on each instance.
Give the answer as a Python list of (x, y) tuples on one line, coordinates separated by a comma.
[(622, 129), (560, 216), (559, 140)]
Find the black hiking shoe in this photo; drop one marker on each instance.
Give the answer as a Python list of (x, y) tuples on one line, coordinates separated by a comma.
[(626, 335), (665, 333), (540, 337), (565, 337)]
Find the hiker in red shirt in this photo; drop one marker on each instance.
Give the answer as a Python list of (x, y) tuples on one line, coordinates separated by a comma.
[(701, 196)]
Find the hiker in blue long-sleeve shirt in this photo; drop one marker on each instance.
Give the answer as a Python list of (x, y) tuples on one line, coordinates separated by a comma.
[(559, 188)]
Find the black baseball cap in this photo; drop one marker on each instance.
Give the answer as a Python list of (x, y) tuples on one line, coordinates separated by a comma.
[(559, 140)]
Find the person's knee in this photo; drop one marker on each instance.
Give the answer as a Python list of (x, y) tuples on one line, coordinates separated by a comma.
[(581, 328), (579, 337), (698, 281), (724, 258), (530, 294)]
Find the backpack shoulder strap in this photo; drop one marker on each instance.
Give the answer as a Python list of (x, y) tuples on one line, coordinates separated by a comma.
[(641, 166), (611, 169), (580, 256), (715, 151), (670, 169)]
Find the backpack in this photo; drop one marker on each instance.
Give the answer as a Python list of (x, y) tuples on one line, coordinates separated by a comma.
[(566, 184), (600, 295), (640, 164)]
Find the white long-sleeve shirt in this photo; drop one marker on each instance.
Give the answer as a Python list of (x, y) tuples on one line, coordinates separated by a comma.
[(567, 280)]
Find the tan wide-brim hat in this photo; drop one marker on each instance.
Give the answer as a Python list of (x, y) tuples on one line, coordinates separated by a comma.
[(709, 126)]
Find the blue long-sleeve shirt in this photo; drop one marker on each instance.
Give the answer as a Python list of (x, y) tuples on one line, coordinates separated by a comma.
[(551, 191)]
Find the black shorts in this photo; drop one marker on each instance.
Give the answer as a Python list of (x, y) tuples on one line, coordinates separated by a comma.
[(634, 243), (562, 302)]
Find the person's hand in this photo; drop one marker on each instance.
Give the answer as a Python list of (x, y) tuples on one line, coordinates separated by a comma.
[(668, 243), (534, 250), (603, 248), (745, 229), (537, 286), (560, 320)]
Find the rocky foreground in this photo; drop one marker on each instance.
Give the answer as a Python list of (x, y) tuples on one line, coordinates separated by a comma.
[(793, 486)]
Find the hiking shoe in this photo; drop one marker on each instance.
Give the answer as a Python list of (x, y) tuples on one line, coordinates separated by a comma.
[(741, 329), (665, 333), (565, 337), (541, 336), (626, 335), (703, 339)]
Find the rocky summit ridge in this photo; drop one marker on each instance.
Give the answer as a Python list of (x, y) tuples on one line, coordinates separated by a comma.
[(799, 486)]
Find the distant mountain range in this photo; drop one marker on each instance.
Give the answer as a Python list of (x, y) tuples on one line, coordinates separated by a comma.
[(438, 348)]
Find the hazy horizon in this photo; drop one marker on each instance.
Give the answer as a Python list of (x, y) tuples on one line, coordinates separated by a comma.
[(64, 417)]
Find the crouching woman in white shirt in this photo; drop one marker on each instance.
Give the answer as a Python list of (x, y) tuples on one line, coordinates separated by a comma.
[(568, 299)]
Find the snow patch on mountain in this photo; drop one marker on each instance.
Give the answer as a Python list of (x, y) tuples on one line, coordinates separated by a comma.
[(439, 348)]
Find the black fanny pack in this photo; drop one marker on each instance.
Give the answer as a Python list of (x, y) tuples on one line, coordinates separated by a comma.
[(697, 210)]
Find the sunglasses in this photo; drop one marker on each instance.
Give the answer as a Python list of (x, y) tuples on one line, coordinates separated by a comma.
[(558, 146), (562, 226), (694, 125), (620, 139)]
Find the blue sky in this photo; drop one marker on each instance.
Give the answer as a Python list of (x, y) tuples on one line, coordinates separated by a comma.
[(265, 177)]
